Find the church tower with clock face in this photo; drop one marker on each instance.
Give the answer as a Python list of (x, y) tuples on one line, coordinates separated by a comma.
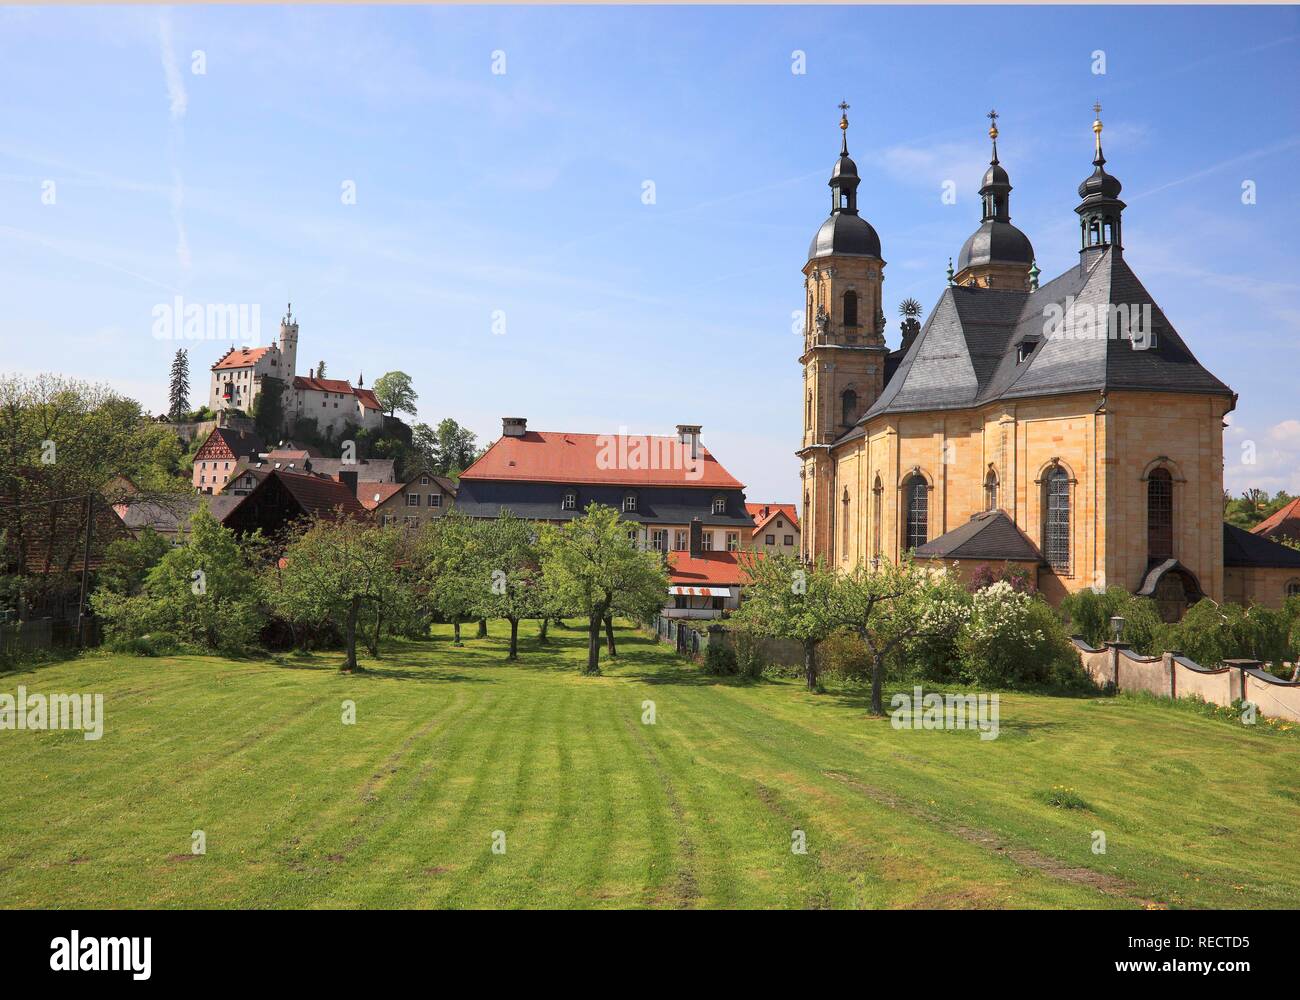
[(844, 348)]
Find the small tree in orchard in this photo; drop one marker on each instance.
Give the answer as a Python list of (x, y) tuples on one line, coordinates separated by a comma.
[(332, 570), (447, 568), (510, 574), (787, 599), (594, 567), (899, 603)]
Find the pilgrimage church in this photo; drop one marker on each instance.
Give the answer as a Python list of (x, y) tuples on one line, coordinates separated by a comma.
[(1061, 426)]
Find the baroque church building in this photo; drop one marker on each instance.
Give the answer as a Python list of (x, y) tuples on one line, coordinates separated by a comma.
[(1061, 426)]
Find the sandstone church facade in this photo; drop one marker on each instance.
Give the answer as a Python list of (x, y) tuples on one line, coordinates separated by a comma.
[(1062, 426)]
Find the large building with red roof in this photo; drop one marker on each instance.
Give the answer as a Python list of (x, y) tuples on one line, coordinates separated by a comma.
[(240, 374), (675, 495)]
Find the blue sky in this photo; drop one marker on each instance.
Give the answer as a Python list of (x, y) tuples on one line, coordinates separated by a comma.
[(521, 193)]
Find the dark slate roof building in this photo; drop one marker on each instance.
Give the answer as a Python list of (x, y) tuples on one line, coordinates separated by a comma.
[(989, 536)]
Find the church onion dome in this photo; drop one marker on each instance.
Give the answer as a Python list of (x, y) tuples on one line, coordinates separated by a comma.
[(845, 232), (1100, 184), (996, 241)]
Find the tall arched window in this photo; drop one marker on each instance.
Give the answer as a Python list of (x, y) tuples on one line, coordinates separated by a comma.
[(1056, 520), (850, 308), (1160, 516), (991, 490), (878, 492), (844, 544), (848, 407), (916, 495)]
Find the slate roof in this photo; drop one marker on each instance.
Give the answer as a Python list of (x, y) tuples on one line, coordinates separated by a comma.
[(967, 353), (1241, 548), (989, 535)]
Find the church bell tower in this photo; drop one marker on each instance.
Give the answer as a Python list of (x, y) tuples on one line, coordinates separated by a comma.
[(844, 348)]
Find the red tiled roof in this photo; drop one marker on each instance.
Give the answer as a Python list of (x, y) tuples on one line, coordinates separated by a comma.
[(709, 568), (367, 399), (242, 357), (372, 495), (558, 457), (320, 496), (756, 511), (1285, 522), (322, 384)]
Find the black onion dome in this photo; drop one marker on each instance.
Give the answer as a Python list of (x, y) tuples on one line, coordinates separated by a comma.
[(996, 243), (1100, 184), (844, 167), (845, 234), (995, 176)]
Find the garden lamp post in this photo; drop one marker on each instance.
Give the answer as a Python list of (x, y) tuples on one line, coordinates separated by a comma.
[(1117, 627)]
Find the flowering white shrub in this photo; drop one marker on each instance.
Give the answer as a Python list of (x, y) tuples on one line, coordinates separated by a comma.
[(1010, 638)]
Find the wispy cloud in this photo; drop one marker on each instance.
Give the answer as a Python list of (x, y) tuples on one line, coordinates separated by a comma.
[(176, 94)]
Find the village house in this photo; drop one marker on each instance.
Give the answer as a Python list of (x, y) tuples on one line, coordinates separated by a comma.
[(218, 458), (776, 528), (676, 497), (421, 499)]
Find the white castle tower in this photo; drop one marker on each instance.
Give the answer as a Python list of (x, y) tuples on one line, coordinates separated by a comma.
[(289, 345)]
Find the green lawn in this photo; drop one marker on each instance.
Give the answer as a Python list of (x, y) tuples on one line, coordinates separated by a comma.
[(599, 809)]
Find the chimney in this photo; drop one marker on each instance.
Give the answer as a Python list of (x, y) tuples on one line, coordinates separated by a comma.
[(348, 477), (690, 434), (514, 427), (697, 537)]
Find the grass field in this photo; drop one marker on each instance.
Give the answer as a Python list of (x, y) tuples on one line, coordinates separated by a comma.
[(601, 810)]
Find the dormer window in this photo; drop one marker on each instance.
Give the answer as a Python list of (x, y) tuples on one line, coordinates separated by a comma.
[(570, 501), (1025, 349), (629, 503), (719, 505)]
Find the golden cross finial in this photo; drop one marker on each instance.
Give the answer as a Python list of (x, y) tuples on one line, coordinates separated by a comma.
[(1096, 126), (844, 116), (992, 116)]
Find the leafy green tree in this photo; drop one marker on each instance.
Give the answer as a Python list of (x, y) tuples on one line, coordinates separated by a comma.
[(448, 567), (320, 369), (592, 565), (331, 570), (509, 562), (268, 409), (453, 448), (205, 593), (786, 599), (395, 393), (899, 603), (127, 562)]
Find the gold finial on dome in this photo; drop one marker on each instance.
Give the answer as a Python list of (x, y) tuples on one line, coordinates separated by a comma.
[(1096, 125), (844, 117), (992, 116)]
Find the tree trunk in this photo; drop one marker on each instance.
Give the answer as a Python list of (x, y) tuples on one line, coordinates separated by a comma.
[(514, 639), (810, 664), (593, 644), (379, 618), (455, 625), (541, 636), (609, 635), (482, 629), (351, 635), (877, 684)]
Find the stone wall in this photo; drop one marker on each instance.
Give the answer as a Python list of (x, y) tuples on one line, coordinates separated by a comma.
[(1172, 675)]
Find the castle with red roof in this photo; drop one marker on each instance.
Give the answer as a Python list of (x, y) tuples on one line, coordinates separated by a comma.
[(240, 374)]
